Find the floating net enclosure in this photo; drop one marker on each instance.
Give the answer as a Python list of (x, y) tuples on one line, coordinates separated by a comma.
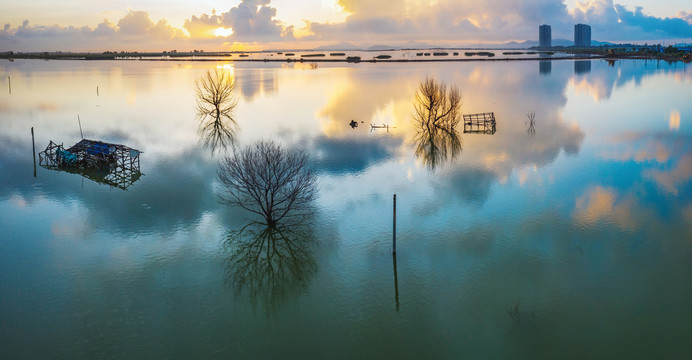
[(483, 123), (111, 164)]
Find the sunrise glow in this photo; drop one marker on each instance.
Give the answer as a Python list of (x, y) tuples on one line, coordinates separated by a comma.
[(223, 32)]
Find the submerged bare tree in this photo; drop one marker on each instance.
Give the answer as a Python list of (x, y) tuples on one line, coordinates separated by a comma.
[(270, 263), (269, 180), (216, 100), (437, 114)]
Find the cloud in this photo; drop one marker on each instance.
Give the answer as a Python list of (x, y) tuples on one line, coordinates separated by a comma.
[(252, 21), (136, 30), (495, 20), (666, 27), (442, 20), (105, 28), (255, 20), (619, 23), (138, 23), (450, 21), (685, 15), (203, 26)]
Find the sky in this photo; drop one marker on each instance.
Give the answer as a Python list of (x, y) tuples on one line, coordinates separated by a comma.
[(157, 25)]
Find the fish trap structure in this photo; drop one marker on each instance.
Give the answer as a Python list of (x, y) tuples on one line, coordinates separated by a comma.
[(111, 164), (483, 123)]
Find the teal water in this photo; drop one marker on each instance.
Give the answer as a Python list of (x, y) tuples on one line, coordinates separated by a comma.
[(571, 241)]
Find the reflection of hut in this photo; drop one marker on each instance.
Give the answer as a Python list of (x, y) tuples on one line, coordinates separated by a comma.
[(112, 164), (483, 123)]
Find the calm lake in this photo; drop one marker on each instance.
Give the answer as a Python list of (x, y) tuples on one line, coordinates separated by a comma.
[(566, 237)]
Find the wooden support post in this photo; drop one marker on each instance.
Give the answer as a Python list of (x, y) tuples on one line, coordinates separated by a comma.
[(9, 84), (396, 284), (394, 228), (33, 147)]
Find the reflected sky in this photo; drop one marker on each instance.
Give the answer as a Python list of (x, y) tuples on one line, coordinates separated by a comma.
[(597, 201)]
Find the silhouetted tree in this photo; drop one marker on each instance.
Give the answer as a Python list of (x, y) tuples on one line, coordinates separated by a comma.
[(437, 113), (269, 180), (216, 100)]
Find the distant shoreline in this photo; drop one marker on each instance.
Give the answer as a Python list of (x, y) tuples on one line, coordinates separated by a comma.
[(300, 60), (207, 58), (585, 57)]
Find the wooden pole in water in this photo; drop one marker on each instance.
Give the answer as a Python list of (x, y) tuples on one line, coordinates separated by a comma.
[(33, 147), (97, 91), (9, 84), (80, 127), (394, 227), (396, 284)]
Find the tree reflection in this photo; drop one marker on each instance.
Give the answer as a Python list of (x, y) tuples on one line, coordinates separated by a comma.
[(437, 114), (216, 100), (531, 122), (270, 263)]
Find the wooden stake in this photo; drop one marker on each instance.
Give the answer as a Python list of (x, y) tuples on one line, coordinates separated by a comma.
[(97, 91), (396, 284), (9, 84), (33, 147), (394, 227)]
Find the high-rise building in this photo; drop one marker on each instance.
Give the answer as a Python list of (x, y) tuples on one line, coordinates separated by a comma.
[(582, 35), (544, 36)]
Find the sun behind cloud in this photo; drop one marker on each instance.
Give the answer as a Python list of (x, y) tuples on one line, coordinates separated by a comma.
[(222, 31)]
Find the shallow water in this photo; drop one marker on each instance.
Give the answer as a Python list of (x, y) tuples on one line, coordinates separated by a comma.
[(570, 241)]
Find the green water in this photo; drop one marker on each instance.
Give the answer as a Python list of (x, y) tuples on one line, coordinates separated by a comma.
[(570, 241)]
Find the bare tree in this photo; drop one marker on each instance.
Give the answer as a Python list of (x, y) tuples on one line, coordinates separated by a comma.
[(269, 180), (436, 106), (437, 113), (216, 100)]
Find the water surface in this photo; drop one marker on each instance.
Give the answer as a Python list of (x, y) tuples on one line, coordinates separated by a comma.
[(569, 239)]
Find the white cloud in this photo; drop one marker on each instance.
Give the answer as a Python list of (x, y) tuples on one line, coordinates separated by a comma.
[(257, 22), (495, 20)]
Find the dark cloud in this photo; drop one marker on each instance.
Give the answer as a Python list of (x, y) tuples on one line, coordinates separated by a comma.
[(667, 27)]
